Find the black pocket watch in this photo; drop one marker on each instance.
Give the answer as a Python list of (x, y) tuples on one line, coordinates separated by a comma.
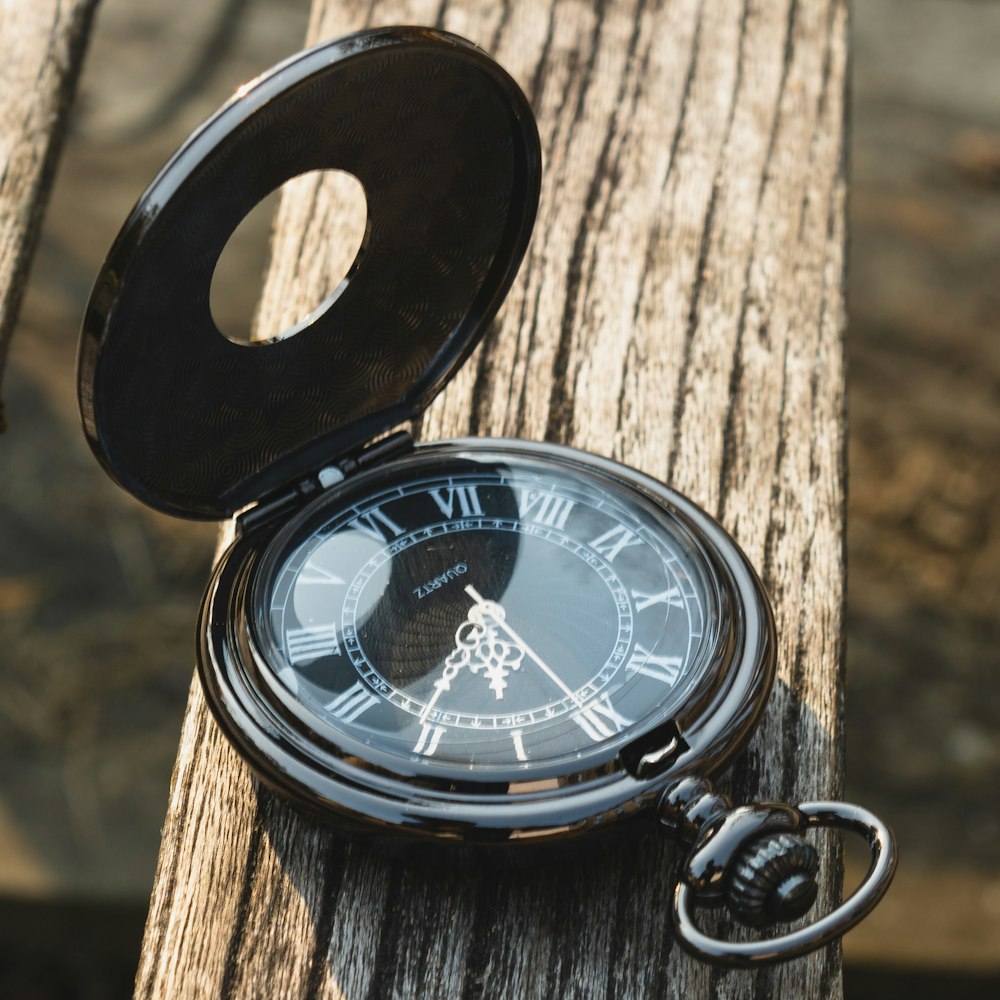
[(487, 642)]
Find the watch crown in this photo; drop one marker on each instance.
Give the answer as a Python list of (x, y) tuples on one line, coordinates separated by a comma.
[(773, 879)]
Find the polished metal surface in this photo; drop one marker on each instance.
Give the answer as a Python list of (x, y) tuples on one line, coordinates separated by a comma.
[(840, 815), (444, 145), (359, 787)]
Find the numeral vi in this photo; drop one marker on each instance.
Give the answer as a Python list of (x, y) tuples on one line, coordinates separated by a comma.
[(376, 523)]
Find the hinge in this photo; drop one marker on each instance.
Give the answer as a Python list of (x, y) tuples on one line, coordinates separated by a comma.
[(384, 450), (282, 505)]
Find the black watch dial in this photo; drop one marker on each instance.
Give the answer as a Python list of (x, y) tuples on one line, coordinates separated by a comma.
[(497, 614)]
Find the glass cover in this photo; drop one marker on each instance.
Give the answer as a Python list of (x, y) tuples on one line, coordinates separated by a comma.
[(491, 612)]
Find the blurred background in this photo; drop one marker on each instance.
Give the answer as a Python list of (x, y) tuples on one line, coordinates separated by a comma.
[(98, 595)]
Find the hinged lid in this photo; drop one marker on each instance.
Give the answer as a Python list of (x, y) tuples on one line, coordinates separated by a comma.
[(445, 146)]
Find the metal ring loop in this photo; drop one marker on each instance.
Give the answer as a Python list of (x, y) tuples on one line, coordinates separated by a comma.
[(842, 815)]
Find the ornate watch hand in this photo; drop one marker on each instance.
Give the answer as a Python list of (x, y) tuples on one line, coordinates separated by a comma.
[(501, 621), (443, 683), (478, 648)]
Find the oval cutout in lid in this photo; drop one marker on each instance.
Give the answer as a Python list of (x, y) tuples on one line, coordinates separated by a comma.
[(445, 145)]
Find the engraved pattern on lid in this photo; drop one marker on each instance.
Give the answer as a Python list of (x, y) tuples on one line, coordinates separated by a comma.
[(443, 142)]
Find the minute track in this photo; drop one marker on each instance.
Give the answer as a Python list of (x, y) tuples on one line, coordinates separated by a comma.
[(603, 588)]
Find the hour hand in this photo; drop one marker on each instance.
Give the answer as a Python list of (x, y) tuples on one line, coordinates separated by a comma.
[(486, 608), (480, 646)]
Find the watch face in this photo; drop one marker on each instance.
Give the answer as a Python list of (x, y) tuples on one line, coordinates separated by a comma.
[(486, 612)]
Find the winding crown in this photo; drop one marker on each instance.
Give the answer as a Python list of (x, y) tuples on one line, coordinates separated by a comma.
[(773, 879)]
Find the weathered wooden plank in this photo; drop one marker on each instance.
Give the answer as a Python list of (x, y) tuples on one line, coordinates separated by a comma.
[(680, 308), (41, 50)]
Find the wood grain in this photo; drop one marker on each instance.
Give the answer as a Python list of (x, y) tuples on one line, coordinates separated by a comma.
[(681, 308), (41, 50)]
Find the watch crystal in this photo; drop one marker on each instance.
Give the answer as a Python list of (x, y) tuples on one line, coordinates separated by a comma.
[(498, 612)]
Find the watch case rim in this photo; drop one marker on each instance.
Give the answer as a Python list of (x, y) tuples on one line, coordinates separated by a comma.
[(360, 795)]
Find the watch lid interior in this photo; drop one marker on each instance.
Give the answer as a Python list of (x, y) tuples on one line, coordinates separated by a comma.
[(446, 148)]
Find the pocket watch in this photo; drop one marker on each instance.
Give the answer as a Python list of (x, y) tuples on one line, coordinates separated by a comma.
[(491, 643)]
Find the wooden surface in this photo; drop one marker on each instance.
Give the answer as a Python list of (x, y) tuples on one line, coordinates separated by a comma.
[(681, 309), (41, 49)]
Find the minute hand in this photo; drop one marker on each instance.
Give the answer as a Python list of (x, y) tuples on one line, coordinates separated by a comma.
[(502, 624)]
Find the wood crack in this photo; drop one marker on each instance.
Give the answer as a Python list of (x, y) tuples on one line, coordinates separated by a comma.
[(736, 374), (241, 924), (561, 401), (656, 232), (704, 245)]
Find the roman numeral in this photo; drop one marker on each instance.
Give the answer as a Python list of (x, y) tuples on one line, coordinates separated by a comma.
[(312, 642), (661, 668), (517, 735), (613, 541), (315, 575), (352, 702), (544, 508), (430, 737), (599, 719), (671, 597), (375, 524), (464, 496)]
